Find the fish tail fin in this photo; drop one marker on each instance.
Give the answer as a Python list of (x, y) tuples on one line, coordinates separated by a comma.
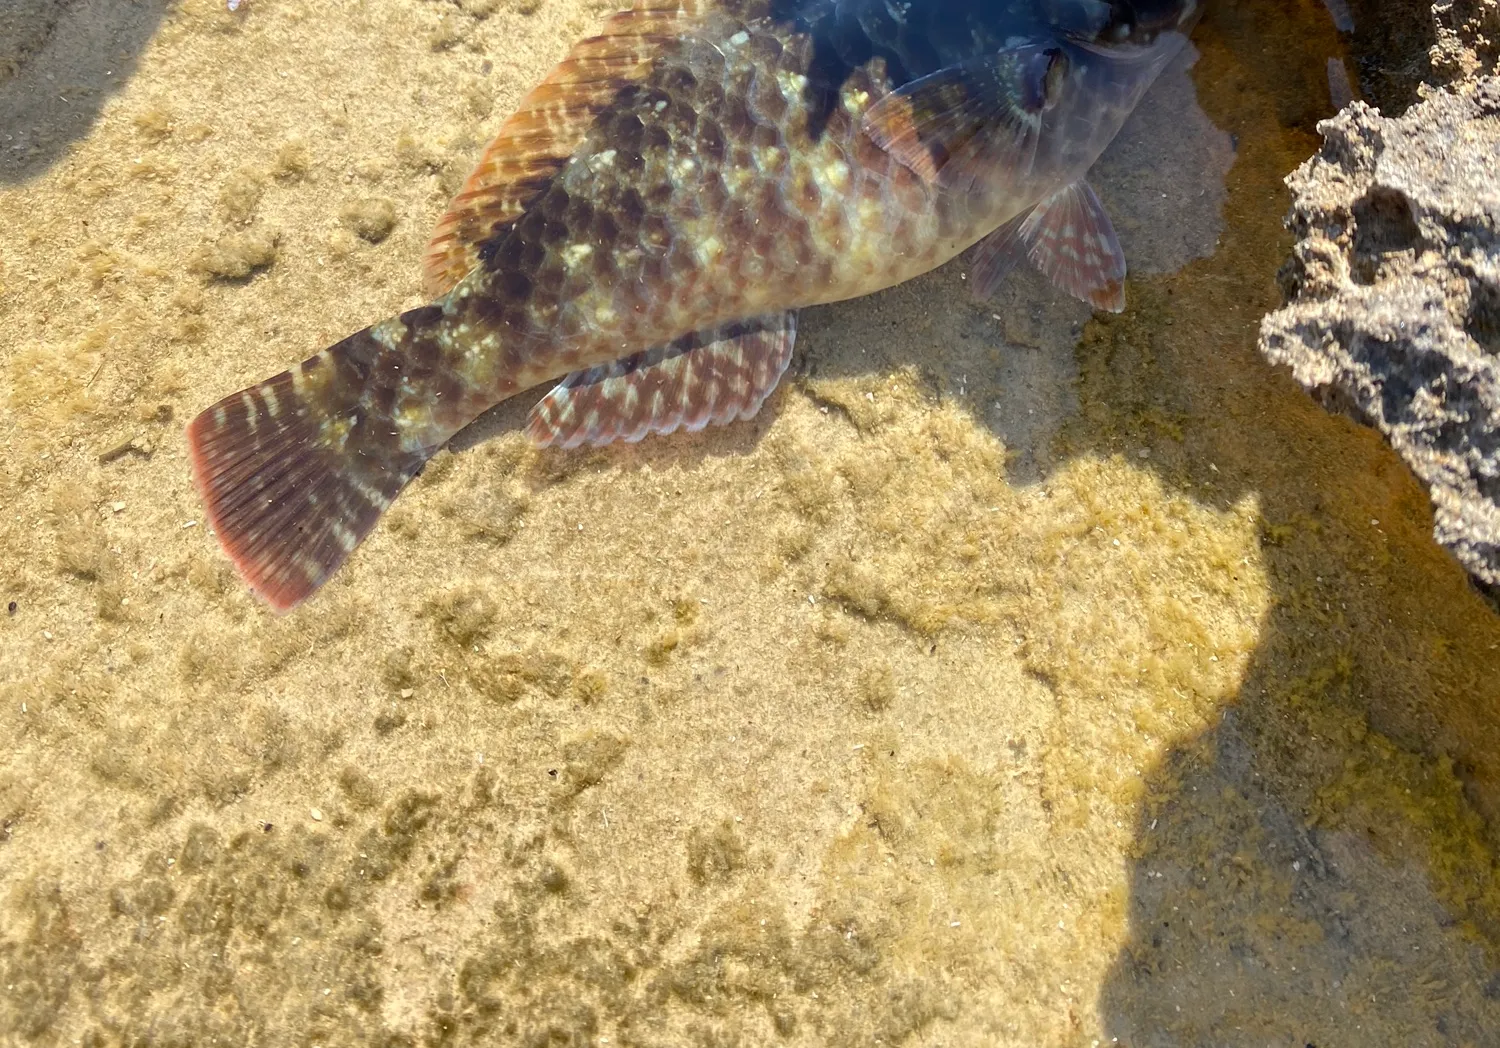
[(295, 471)]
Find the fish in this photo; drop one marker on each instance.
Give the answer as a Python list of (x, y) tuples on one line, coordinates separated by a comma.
[(649, 221)]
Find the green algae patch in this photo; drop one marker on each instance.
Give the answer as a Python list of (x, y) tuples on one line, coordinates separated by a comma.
[(1408, 804)]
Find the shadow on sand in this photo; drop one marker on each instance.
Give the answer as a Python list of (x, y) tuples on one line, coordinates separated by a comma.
[(60, 62)]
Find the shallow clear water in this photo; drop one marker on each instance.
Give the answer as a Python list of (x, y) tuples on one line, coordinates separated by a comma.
[(1018, 676)]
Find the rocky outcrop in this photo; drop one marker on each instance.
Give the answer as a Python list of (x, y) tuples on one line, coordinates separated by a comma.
[(1468, 37), (1393, 293), (1393, 290)]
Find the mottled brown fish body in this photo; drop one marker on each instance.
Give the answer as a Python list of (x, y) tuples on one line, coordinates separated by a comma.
[(705, 199), (647, 224)]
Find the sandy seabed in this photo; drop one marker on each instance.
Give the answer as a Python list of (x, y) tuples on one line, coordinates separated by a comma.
[(1016, 677)]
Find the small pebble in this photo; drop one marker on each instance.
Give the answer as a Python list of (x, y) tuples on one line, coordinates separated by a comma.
[(117, 506), (406, 693), (317, 814)]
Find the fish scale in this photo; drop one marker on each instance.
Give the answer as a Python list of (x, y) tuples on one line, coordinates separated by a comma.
[(652, 218)]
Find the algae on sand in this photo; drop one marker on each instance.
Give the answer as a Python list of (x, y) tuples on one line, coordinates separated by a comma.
[(898, 715)]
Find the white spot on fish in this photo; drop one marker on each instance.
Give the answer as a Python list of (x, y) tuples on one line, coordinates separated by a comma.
[(770, 158), (709, 249), (792, 84), (346, 537)]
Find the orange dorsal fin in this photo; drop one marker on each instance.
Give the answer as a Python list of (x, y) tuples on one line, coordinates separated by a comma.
[(548, 125)]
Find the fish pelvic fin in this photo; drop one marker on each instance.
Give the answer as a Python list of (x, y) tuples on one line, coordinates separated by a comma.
[(709, 377), (1069, 238), (295, 471)]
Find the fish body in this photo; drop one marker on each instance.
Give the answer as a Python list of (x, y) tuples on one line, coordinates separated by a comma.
[(659, 208)]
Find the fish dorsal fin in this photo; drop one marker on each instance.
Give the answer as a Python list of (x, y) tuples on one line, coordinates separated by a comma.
[(1069, 238), (714, 376), (548, 125)]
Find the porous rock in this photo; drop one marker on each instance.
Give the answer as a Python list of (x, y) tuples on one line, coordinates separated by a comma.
[(1393, 297)]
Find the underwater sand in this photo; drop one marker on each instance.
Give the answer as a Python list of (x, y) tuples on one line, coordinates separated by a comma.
[(1015, 678)]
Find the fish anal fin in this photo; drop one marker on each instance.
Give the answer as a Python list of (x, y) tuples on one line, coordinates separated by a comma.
[(1070, 239), (550, 122), (709, 377)]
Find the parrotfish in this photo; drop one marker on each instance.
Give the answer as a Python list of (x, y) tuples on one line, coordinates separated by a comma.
[(649, 221)]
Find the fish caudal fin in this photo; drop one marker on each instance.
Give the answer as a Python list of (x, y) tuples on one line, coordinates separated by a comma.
[(295, 471)]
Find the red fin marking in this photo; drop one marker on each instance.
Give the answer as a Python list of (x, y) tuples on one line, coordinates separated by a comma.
[(1069, 238), (1074, 244), (291, 486), (710, 377)]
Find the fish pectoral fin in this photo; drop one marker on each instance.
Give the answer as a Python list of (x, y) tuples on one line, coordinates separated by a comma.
[(1069, 238), (713, 376), (954, 127)]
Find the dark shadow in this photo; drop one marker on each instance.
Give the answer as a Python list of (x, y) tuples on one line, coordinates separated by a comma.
[(1318, 867), (60, 61), (1390, 46)]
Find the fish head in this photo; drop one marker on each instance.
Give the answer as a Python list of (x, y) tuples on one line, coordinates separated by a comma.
[(1026, 94), (1098, 73)]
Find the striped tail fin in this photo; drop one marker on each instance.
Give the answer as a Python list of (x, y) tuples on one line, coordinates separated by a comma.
[(295, 471)]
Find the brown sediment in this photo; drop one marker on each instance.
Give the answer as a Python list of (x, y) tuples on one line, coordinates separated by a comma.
[(999, 781)]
